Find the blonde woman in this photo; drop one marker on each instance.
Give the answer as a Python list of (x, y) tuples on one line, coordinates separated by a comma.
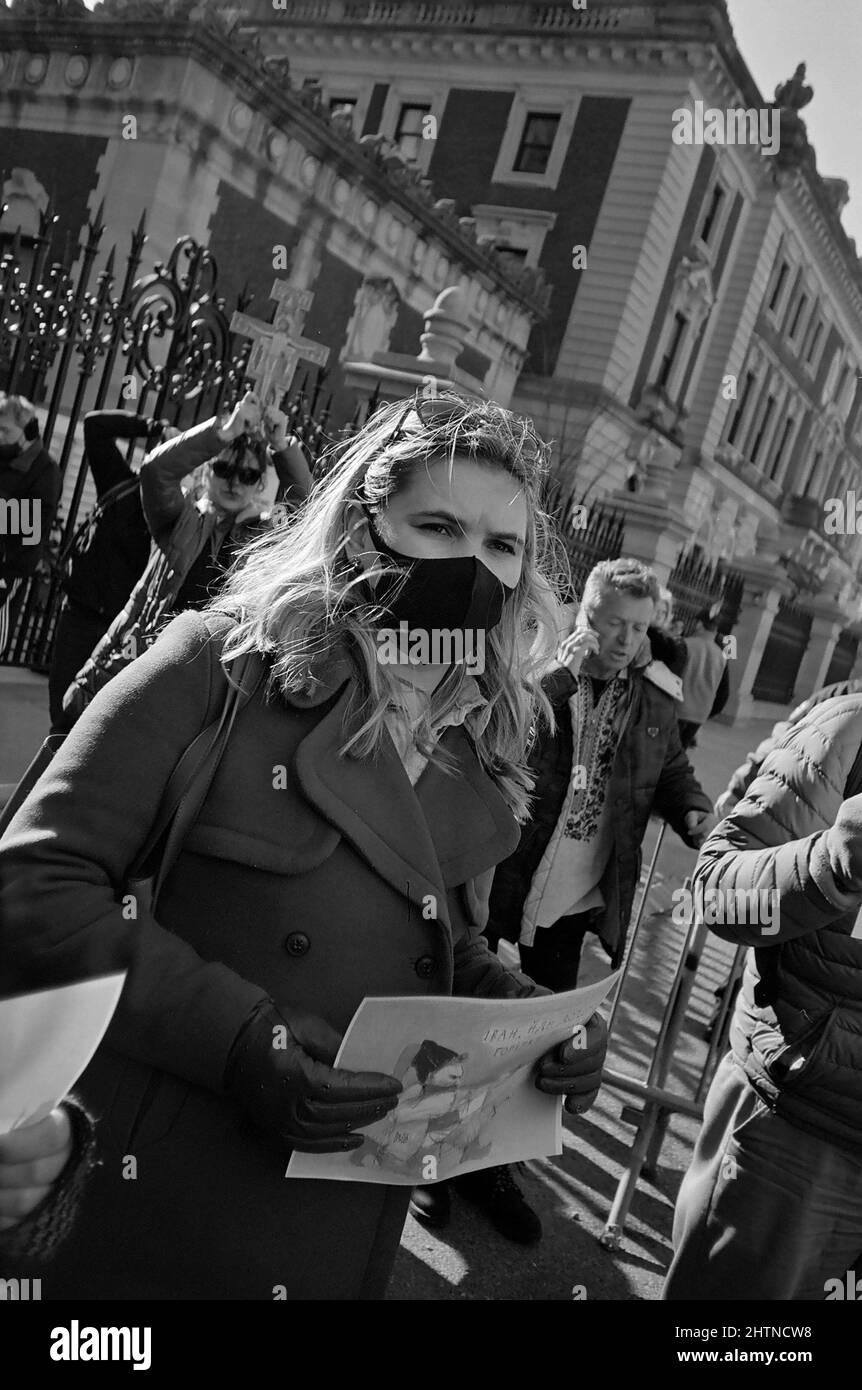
[(345, 848)]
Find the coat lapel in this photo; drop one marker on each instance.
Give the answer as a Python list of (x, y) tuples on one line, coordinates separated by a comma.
[(422, 840), (373, 806)]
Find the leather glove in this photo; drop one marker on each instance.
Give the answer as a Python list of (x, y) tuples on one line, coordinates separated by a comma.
[(576, 1072), (279, 1071)]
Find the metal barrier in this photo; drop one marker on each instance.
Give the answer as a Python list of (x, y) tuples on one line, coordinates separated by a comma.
[(659, 1102)]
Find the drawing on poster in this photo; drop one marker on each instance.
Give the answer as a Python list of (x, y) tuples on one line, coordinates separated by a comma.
[(437, 1114)]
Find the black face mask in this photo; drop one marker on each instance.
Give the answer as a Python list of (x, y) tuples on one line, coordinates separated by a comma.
[(451, 594)]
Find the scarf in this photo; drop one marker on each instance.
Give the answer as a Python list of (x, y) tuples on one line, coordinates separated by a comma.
[(594, 735)]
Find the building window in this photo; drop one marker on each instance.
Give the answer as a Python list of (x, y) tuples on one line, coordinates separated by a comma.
[(806, 488), (680, 324), (764, 426), (408, 132), (537, 141), (709, 221), (740, 409), (812, 342), (796, 318), (839, 389), (778, 453), (778, 287)]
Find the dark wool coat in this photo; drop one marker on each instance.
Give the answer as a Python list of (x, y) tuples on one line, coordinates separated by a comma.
[(801, 995), (650, 773), (310, 893)]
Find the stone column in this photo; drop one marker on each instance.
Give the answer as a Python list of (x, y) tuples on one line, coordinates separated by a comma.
[(828, 624), (764, 585)]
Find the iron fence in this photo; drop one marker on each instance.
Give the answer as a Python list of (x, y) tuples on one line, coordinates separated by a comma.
[(696, 583), (783, 653), (590, 532), (843, 658), (165, 334)]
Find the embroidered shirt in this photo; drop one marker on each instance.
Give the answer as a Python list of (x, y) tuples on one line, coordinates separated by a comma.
[(567, 879)]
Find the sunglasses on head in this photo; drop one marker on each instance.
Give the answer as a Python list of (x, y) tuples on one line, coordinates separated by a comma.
[(225, 469), (437, 410)]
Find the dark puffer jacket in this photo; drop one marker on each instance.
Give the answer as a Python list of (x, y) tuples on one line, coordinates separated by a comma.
[(797, 1029), (747, 771), (650, 773)]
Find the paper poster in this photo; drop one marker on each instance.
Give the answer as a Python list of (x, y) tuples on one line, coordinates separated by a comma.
[(469, 1100), (47, 1040)]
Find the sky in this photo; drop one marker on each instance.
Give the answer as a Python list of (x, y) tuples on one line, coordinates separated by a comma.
[(773, 36)]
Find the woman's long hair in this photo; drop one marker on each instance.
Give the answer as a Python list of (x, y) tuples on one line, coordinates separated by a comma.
[(297, 595)]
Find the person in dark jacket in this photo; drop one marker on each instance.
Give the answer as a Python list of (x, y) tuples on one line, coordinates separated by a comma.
[(745, 775), (613, 759), (353, 796), (195, 538), (108, 559), (771, 1206), (30, 487)]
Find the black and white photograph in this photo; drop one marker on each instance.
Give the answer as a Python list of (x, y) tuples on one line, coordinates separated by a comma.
[(430, 581)]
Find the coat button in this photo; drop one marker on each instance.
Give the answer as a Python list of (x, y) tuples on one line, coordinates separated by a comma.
[(425, 967), (297, 944)]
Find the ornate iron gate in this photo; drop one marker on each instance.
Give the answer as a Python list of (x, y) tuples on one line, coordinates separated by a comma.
[(585, 545), (696, 583), (181, 361), (783, 653)]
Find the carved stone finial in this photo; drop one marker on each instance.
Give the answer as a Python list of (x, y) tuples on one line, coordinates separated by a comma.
[(446, 329), (793, 94)]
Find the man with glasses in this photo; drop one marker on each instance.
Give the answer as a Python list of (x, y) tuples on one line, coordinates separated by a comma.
[(195, 533)]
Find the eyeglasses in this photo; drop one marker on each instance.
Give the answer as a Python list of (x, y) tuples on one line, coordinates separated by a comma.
[(224, 468)]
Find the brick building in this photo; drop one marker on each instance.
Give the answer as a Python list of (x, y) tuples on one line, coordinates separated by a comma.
[(705, 327)]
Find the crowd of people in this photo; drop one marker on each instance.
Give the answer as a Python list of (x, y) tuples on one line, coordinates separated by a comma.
[(518, 795)]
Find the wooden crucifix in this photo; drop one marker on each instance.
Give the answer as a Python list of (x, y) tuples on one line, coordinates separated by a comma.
[(278, 346)]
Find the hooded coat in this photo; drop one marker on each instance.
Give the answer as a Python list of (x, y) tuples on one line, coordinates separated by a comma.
[(306, 879)]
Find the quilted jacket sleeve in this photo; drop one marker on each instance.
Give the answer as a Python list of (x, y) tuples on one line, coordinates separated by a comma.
[(782, 838), (747, 771)]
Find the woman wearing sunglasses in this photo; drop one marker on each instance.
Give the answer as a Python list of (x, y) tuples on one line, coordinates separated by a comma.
[(196, 533), (345, 848)]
